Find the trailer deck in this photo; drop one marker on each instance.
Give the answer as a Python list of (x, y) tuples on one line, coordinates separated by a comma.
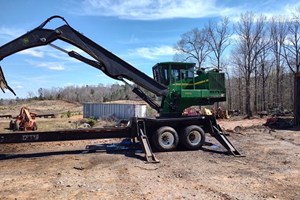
[(137, 129), (64, 135), (133, 131)]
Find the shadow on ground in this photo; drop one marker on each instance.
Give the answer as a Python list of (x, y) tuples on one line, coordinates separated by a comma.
[(124, 148)]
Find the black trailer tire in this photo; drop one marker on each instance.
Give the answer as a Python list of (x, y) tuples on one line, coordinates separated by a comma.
[(165, 139), (192, 137), (11, 125), (16, 126)]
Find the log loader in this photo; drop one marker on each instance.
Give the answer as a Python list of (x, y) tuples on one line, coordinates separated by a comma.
[(178, 85)]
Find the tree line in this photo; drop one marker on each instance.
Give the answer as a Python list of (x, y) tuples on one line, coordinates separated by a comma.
[(259, 55), (88, 93), (80, 94)]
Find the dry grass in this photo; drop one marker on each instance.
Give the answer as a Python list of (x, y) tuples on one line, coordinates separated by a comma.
[(57, 107)]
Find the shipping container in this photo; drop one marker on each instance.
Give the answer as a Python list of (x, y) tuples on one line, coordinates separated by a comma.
[(118, 111)]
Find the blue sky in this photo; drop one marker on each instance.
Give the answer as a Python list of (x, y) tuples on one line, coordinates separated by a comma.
[(141, 32)]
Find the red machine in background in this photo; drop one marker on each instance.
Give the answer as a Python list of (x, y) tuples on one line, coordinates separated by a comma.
[(25, 121)]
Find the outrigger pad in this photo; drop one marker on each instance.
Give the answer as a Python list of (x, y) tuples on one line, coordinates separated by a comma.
[(3, 83)]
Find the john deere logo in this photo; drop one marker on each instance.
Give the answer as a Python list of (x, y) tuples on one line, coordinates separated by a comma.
[(25, 40)]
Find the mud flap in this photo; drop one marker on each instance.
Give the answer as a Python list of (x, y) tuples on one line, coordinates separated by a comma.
[(218, 134)]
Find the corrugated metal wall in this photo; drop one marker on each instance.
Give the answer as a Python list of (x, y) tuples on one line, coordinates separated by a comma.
[(120, 111)]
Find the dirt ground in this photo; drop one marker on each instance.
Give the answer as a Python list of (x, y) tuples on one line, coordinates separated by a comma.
[(65, 170)]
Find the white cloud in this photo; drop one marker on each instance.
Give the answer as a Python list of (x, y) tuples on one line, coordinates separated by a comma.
[(132, 40), (51, 65), (234, 37), (153, 10), (168, 9), (10, 32), (153, 52), (33, 52), (58, 66), (18, 87)]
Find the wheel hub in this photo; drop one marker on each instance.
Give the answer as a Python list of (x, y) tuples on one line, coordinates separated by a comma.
[(166, 139), (194, 137)]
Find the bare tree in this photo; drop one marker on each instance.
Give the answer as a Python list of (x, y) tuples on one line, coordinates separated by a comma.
[(193, 46), (278, 32), (218, 40), (292, 58), (260, 70), (292, 45), (251, 33), (30, 95), (229, 92), (237, 61), (264, 70)]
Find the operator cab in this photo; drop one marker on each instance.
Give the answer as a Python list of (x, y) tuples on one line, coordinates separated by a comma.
[(167, 73)]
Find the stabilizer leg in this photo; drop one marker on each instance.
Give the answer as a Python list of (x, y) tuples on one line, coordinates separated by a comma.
[(150, 157), (218, 134)]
